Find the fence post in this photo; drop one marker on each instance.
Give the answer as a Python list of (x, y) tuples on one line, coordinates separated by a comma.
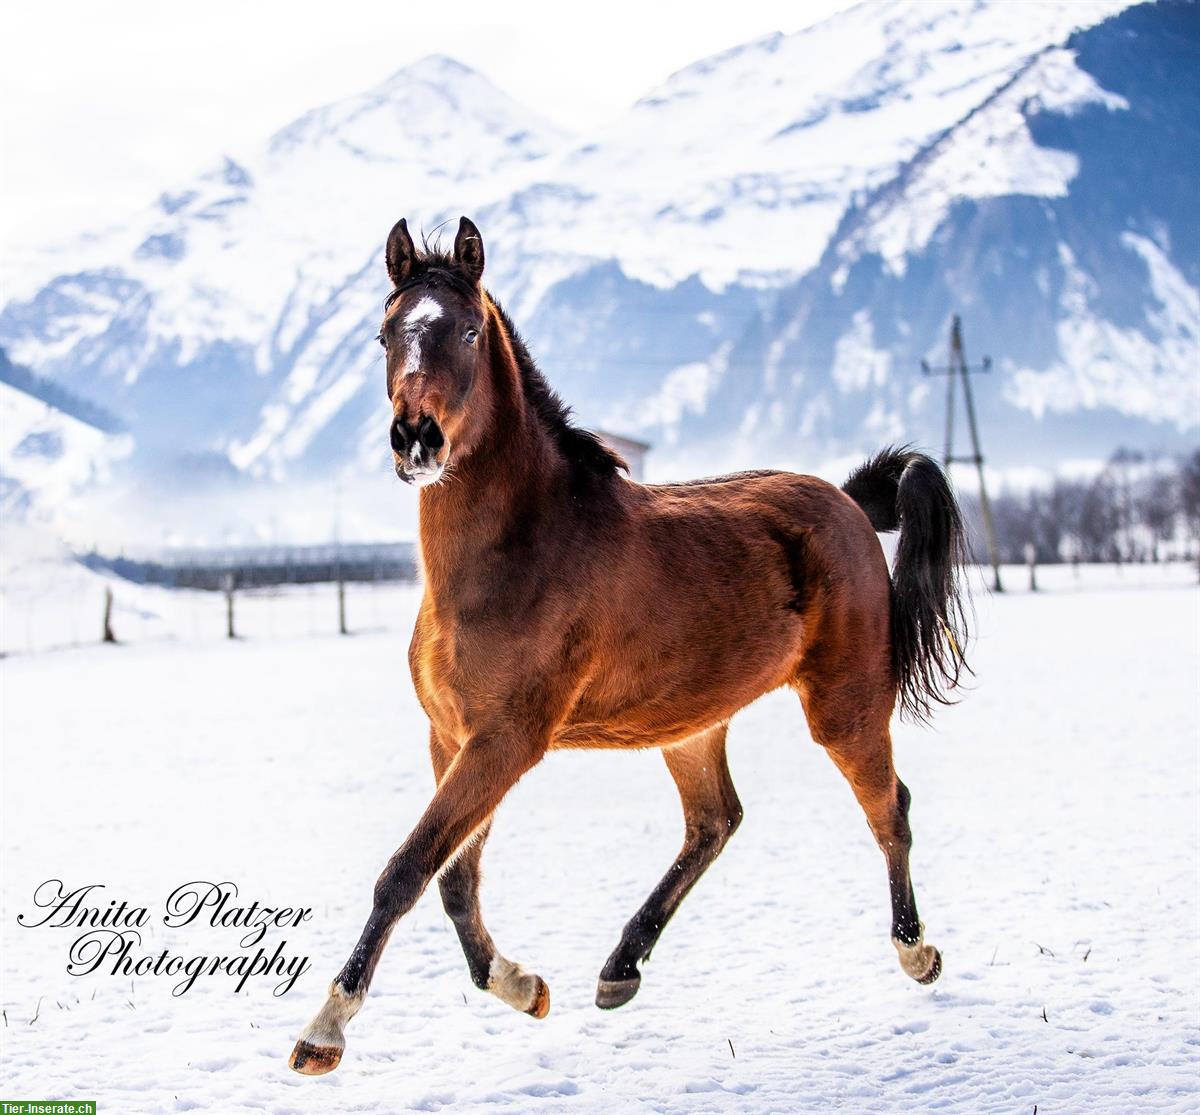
[(341, 598), (229, 632), (108, 636), (1031, 561)]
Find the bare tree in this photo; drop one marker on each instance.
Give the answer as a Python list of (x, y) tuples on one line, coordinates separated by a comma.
[(1189, 497), (1122, 472), (1157, 507), (1130, 511)]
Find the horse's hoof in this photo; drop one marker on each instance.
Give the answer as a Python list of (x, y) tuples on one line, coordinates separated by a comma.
[(521, 990), (613, 993), (541, 1000), (920, 961), (935, 969), (314, 1060)]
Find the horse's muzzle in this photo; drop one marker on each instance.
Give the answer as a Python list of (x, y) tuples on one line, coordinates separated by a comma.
[(416, 447)]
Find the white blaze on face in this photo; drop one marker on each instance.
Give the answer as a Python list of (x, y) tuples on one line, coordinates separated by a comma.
[(416, 324)]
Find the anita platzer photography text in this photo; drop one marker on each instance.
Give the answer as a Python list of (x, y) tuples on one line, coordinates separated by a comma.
[(562, 560), (109, 940)]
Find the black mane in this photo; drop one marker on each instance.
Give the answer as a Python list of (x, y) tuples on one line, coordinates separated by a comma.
[(584, 451), (582, 448)]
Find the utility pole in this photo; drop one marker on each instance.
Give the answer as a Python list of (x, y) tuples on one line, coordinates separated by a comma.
[(959, 369)]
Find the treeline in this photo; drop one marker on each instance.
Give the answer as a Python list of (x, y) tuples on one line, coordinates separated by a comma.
[(57, 396), (1136, 509)]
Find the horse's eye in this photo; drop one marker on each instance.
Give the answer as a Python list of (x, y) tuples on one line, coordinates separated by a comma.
[(470, 335), (382, 340)]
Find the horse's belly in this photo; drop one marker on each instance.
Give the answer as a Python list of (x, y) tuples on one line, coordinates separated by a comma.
[(668, 708)]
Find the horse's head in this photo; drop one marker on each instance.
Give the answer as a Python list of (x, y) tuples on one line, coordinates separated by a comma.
[(435, 333)]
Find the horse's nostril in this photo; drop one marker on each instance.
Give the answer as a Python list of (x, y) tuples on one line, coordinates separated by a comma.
[(397, 436), (430, 434)]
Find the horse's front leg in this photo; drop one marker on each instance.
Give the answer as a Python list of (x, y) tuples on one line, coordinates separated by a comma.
[(483, 771), (459, 884)]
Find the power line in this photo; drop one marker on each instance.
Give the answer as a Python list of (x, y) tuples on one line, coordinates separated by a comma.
[(958, 369)]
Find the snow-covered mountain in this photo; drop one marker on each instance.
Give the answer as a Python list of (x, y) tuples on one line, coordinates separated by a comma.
[(744, 269), (1058, 216), (48, 457)]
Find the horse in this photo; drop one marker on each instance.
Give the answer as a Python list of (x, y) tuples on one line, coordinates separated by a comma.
[(566, 606)]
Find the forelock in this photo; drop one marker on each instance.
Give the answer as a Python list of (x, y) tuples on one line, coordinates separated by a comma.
[(434, 269)]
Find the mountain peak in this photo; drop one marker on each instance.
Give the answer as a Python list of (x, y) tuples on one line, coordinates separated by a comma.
[(417, 105), (435, 67)]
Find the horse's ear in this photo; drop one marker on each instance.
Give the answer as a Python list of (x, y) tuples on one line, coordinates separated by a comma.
[(400, 253), (468, 249)]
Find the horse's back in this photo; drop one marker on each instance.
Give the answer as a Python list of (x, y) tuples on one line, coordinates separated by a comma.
[(803, 541), (776, 509)]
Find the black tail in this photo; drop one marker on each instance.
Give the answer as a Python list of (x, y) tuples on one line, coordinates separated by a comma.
[(900, 487)]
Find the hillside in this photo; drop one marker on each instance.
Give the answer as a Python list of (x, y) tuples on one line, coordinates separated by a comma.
[(746, 268)]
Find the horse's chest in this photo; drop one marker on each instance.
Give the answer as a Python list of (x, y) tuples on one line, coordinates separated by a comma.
[(434, 674), (458, 679)]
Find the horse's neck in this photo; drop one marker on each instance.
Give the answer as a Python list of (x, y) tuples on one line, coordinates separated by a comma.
[(515, 468)]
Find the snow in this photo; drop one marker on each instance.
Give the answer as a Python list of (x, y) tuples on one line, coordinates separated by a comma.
[(49, 454), (286, 217), (805, 121), (1056, 847), (991, 153), (857, 363), (1105, 365), (49, 601), (685, 388)]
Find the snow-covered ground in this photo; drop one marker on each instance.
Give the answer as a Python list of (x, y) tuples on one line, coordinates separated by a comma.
[(48, 602), (1056, 828)]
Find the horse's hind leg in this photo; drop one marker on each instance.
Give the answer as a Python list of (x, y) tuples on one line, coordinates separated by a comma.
[(864, 756), (711, 813), (459, 884)]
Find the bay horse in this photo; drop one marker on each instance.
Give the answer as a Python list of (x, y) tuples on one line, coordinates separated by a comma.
[(566, 606)]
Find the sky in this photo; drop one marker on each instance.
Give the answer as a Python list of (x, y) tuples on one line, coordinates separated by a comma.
[(105, 104)]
